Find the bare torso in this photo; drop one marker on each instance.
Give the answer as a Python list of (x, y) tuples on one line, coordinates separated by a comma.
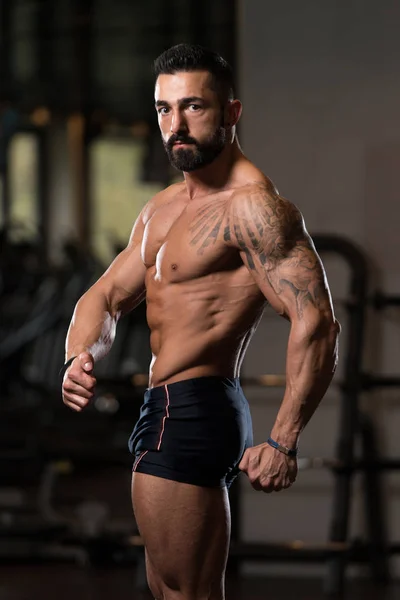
[(202, 303)]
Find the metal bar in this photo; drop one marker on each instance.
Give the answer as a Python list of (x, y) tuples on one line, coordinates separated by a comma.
[(382, 464), (301, 551), (353, 378), (380, 300), (376, 381), (268, 380), (374, 505)]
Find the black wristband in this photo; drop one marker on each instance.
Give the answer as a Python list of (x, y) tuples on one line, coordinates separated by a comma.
[(283, 449), (65, 367)]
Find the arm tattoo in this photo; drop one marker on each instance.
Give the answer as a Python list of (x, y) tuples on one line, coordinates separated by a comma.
[(269, 232)]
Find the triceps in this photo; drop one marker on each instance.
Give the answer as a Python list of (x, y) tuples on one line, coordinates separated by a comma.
[(279, 253)]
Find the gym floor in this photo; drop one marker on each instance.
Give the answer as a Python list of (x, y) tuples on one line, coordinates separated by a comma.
[(49, 582)]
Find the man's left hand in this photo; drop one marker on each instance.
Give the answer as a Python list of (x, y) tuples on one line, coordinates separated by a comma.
[(268, 469)]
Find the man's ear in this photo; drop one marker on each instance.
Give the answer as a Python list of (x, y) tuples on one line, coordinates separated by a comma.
[(233, 112)]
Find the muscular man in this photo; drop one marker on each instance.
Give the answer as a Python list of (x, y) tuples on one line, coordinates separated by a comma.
[(207, 254)]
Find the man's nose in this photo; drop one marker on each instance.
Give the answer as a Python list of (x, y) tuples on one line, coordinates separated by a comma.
[(178, 122)]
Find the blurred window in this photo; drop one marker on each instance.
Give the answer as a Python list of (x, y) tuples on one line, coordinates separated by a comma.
[(23, 178), (118, 192)]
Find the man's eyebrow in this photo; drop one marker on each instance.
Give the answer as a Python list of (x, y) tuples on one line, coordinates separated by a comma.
[(181, 101), (190, 99)]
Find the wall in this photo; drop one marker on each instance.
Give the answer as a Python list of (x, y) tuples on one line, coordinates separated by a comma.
[(321, 93)]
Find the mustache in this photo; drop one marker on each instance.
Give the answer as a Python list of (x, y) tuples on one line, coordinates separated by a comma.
[(175, 137)]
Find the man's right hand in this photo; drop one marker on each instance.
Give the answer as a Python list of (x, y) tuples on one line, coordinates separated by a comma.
[(78, 383)]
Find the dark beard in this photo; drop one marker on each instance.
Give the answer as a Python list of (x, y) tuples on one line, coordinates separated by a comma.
[(197, 157)]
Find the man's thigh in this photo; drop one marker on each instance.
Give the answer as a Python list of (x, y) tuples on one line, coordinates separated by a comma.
[(186, 531)]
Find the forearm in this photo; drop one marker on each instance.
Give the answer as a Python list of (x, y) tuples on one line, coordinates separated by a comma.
[(311, 364), (93, 326)]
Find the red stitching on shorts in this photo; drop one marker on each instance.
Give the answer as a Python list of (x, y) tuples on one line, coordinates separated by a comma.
[(166, 416), (139, 458)]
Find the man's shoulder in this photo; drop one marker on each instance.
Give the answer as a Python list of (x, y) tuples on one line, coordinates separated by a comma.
[(258, 194), (261, 198)]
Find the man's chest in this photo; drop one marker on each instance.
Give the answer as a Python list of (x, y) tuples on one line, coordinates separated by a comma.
[(186, 240)]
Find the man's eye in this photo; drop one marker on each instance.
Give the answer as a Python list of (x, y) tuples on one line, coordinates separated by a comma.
[(194, 107), (163, 110)]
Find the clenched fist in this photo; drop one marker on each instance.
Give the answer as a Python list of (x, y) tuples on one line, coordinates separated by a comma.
[(78, 383), (267, 469)]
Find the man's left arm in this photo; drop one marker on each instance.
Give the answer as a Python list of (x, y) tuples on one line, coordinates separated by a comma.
[(277, 250)]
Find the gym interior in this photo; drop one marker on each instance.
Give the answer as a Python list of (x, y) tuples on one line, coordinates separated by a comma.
[(80, 155)]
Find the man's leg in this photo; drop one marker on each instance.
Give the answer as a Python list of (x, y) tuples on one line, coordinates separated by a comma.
[(186, 531)]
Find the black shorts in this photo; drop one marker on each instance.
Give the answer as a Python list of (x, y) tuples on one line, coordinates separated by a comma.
[(193, 431)]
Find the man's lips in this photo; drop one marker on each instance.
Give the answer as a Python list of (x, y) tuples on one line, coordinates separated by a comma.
[(183, 144)]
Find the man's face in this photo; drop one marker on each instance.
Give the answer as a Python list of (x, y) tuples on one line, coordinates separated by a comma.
[(190, 116)]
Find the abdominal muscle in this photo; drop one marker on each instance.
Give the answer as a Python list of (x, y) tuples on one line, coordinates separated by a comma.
[(199, 330)]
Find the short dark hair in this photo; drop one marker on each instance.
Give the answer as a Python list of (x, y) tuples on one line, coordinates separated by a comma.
[(192, 57)]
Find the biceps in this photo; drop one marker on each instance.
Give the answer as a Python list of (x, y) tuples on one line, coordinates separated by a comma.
[(124, 281)]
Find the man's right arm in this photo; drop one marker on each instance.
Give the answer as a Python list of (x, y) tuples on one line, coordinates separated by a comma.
[(119, 290), (93, 325)]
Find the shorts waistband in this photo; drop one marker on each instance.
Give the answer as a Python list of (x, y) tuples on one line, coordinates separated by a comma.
[(195, 383)]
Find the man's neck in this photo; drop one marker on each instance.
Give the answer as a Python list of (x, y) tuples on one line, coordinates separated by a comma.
[(215, 177)]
